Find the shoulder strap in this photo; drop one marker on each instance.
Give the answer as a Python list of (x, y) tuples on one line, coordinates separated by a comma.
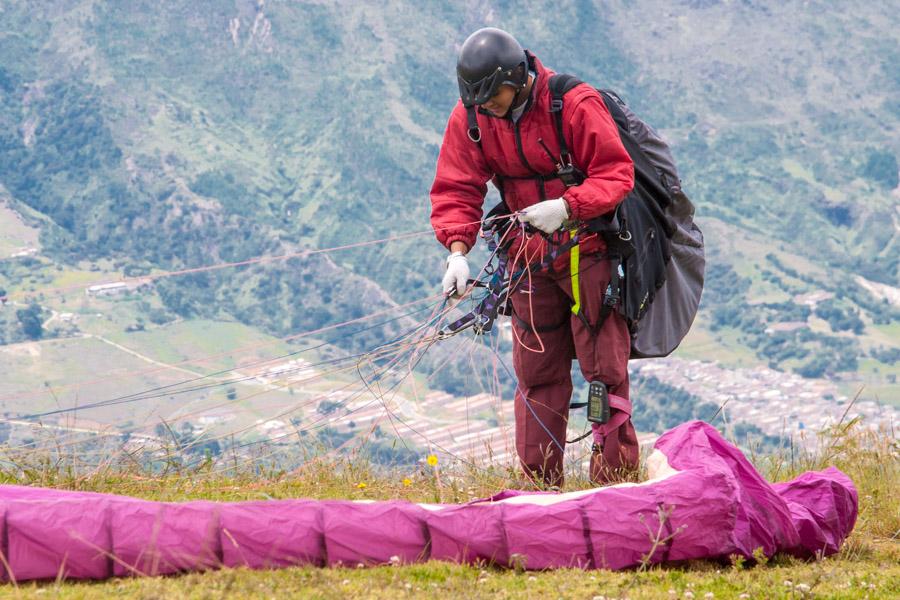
[(560, 84), (473, 131)]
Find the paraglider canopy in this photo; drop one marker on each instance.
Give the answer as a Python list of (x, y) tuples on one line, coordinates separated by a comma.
[(704, 494)]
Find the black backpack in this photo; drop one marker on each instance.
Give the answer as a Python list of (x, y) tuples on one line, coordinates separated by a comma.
[(656, 248)]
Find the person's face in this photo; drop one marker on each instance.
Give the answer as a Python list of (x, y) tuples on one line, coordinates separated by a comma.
[(498, 104)]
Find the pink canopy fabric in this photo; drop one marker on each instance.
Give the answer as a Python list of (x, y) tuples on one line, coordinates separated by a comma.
[(716, 504)]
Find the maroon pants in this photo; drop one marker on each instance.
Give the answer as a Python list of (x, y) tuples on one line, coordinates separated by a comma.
[(546, 337)]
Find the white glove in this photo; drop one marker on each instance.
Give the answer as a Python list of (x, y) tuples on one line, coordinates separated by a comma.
[(548, 216), (456, 276)]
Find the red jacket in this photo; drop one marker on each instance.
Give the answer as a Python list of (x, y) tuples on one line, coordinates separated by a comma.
[(464, 168)]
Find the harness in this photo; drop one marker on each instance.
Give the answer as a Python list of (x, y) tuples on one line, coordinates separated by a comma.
[(610, 229)]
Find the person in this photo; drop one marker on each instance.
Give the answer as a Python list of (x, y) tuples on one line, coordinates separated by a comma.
[(502, 130)]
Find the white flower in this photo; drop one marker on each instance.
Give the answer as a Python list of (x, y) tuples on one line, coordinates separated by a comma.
[(395, 560), (709, 595), (689, 594), (407, 586), (744, 596), (788, 583), (802, 588), (532, 578)]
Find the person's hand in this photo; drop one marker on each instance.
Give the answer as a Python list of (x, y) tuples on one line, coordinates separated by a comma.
[(548, 216), (457, 275)]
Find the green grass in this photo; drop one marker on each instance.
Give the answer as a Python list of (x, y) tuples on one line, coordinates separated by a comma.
[(800, 172), (887, 333), (78, 371), (83, 370), (842, 577), (887, 393), (82, 278), (871, 380), (15, 235), (868, 565), (722, 346), (184, 340)]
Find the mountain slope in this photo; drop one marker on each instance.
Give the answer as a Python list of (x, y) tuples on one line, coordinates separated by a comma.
[(166, 135)]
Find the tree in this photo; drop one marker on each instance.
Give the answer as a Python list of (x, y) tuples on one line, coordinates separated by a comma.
[(815, 368), (326, 407), (881, 167), (30, 318)]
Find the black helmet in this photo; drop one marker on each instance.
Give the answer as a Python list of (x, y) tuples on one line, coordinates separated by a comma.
[(488, 59)]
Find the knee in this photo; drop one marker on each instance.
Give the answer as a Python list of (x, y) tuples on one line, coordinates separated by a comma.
[(534, 374), (609, 369)]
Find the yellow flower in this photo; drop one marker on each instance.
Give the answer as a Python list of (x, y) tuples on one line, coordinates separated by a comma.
[(431, 460), (361, 485), (407, 482)]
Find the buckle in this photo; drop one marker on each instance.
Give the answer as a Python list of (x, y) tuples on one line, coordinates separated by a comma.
[(610, 299), (556, 104), (483, 324), (570, 175)]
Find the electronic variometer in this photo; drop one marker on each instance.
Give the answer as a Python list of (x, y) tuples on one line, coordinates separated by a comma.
[(598, 403)]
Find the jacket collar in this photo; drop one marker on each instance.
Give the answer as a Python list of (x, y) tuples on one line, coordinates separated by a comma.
[(541, 80)]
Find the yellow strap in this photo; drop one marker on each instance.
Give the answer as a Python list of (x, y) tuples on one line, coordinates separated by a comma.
[(574, 257)]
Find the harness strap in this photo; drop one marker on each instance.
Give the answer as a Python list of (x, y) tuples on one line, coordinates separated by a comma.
[(584, 435), (549, 257), (539, 177), (611, 296), (543, 329), (574, 267), (559, 85), (613, 293), (623, 413)]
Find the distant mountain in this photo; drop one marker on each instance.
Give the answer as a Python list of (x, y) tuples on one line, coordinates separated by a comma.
[(173, 134)]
